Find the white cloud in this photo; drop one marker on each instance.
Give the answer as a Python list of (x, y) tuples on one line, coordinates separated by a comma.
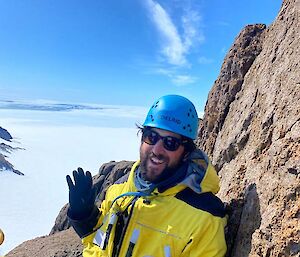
[(192, 32), (164, 71), (173, 47), (182, 80), (174, 76), (176, 47)]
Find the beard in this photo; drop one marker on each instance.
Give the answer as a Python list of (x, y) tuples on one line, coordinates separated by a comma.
[(157, 174)]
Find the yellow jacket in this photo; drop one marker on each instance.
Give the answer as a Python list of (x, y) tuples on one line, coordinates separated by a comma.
[(183, 220)]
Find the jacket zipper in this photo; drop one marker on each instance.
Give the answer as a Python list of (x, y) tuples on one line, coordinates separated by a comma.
[(116, 250)]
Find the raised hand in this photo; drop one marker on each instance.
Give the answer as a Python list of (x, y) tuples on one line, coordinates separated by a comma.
[(82, 194)]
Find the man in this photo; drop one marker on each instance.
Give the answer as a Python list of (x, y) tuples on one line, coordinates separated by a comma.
[(167, 206)]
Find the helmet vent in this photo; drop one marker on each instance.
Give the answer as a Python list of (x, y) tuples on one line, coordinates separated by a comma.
[(152, 118), (155, 105), (188, 126), (190, 113)]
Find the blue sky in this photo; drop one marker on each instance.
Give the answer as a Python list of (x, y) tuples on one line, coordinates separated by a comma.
[(125, 52)]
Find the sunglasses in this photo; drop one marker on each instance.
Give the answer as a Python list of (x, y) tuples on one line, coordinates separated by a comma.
[(170, 143)]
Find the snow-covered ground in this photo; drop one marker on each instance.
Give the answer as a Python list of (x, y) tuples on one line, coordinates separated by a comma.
[(57, 142)]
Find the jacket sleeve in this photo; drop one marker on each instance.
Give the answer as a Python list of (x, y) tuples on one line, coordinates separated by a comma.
[(85, 226), (209, 242), (89, 225)]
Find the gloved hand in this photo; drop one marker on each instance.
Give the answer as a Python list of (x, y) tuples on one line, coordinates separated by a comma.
[(82, 194)]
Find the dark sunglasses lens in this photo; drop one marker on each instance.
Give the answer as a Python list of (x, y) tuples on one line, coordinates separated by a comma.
[(150, 137), (171, 143)]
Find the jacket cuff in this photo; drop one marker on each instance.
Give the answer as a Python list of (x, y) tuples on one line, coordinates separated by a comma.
[(84, 227)]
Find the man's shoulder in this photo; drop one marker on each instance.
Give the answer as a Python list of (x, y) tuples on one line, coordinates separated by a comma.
[(205, 201)]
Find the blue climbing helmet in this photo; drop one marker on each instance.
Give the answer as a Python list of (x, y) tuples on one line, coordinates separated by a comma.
[(174, 113)]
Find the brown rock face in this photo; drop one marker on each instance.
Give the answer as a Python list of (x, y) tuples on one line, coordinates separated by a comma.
[(253, 137), (62, 244), (237, 62)]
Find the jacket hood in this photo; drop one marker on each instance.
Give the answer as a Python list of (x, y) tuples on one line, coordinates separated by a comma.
[(201, 176)]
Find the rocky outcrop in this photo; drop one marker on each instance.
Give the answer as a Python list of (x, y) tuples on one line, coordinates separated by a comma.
[(62, 244), (237, 62), (5, 165), (253, 137), (6, 149), (4, 134)]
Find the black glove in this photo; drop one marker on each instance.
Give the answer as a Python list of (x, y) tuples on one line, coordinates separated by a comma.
[(82, 194)]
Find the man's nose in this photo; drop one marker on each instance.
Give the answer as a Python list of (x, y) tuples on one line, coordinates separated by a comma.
[(158, 148)]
